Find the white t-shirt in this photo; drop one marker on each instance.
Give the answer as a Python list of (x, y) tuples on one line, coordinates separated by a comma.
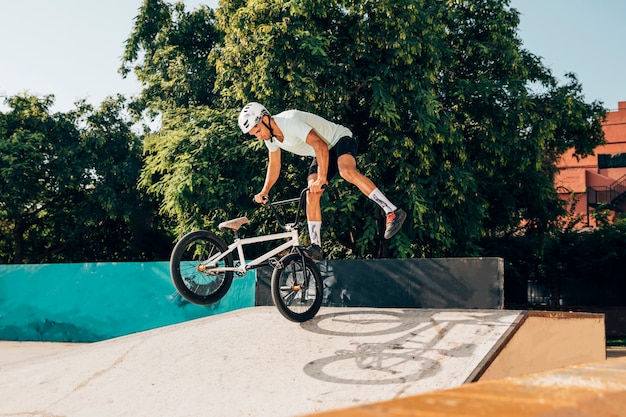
[(296, 125)]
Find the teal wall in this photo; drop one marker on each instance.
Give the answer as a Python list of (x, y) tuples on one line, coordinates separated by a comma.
[(97, 301)]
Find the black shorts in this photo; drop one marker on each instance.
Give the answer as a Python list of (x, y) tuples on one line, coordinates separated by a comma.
[(346, 145)]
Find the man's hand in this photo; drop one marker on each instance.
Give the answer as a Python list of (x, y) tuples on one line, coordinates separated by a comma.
[(318, 186), (260, 198)]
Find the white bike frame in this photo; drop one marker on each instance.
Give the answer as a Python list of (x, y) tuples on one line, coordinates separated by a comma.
[(292, 234)]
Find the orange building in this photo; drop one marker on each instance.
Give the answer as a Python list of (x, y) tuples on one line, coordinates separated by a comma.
[(599, 179)]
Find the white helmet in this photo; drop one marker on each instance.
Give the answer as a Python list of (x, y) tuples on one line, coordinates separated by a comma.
[(251, 115)]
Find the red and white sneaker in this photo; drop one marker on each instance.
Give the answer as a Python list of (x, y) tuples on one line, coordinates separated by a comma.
[(394, 223)]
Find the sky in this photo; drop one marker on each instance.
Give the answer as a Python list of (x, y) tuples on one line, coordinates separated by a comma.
[(69, 48), (73, 48), (579, 36)]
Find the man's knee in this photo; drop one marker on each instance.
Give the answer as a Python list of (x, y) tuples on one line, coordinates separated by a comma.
[(350, 174)]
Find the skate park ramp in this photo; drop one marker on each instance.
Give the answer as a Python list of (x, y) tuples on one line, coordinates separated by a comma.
[(595, 389), (253, 362)]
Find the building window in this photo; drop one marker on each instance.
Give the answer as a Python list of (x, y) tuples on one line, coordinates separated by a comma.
[(606, 160)]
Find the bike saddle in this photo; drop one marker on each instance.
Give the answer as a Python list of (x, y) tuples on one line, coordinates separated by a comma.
[(233, 224)]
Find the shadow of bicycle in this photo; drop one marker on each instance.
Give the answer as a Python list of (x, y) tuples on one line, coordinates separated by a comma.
[(396, 346)]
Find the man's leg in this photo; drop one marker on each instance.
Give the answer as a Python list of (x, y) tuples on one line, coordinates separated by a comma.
[(349, 172), (314, 222), (313, 205)]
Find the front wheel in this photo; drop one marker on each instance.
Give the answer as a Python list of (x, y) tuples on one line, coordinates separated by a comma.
[(192, 277), (297, 288)]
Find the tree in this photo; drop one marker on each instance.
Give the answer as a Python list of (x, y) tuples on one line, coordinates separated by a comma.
[(198, 168), (37, 169), (456, 121), (68, 186), (512, 118), (123, 222), (168, 51)]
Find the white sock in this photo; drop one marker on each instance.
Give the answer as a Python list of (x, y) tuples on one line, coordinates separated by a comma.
[(379, 198), (315, 233)]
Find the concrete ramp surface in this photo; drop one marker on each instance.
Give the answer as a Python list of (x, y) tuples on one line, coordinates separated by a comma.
[(252, 362)]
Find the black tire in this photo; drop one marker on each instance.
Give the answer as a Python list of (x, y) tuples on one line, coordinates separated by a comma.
[(297, 288), (196, 286)]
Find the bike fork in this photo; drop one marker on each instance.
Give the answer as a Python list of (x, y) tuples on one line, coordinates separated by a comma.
[(305, 281)]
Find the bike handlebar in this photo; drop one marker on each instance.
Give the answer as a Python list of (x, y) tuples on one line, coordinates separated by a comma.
[(300, 200), (267, 199)]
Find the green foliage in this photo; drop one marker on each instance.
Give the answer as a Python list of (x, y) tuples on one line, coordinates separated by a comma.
[(280, 53), (579, 267), (36, 170), (457, 122), (198, 167), (203, 171), (168, 51), (67, 185)]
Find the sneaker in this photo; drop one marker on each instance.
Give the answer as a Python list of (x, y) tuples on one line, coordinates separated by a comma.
[(314, 252), (394, 223)]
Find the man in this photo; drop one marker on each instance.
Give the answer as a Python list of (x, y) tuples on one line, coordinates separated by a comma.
[(333, 150)]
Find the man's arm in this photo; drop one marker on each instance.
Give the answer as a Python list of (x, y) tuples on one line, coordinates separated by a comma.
[(321, 154), (271, 176)]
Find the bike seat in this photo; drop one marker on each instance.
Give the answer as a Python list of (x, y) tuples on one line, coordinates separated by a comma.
[(233, 224)]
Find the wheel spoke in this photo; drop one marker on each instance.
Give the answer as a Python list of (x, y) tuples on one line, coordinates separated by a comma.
[(192, 276), (296, 288)]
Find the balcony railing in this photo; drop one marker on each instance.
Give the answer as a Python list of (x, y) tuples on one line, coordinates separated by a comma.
[(619, 187), (611, 195), (600, 195)]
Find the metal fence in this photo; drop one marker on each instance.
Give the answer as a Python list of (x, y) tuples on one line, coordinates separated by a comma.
[(574, 292)]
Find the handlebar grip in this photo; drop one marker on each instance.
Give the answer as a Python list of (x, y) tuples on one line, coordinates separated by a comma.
[(325, 186), (265, 198)]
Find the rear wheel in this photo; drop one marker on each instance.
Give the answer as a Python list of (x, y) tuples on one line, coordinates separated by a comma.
[(193, 279), (297, 288)]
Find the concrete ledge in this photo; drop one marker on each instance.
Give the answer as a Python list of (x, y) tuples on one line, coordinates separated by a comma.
[(545, 340), (596, 389), (463, 283)]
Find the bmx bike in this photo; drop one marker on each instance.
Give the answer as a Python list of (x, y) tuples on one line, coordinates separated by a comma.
[(202, 265)]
